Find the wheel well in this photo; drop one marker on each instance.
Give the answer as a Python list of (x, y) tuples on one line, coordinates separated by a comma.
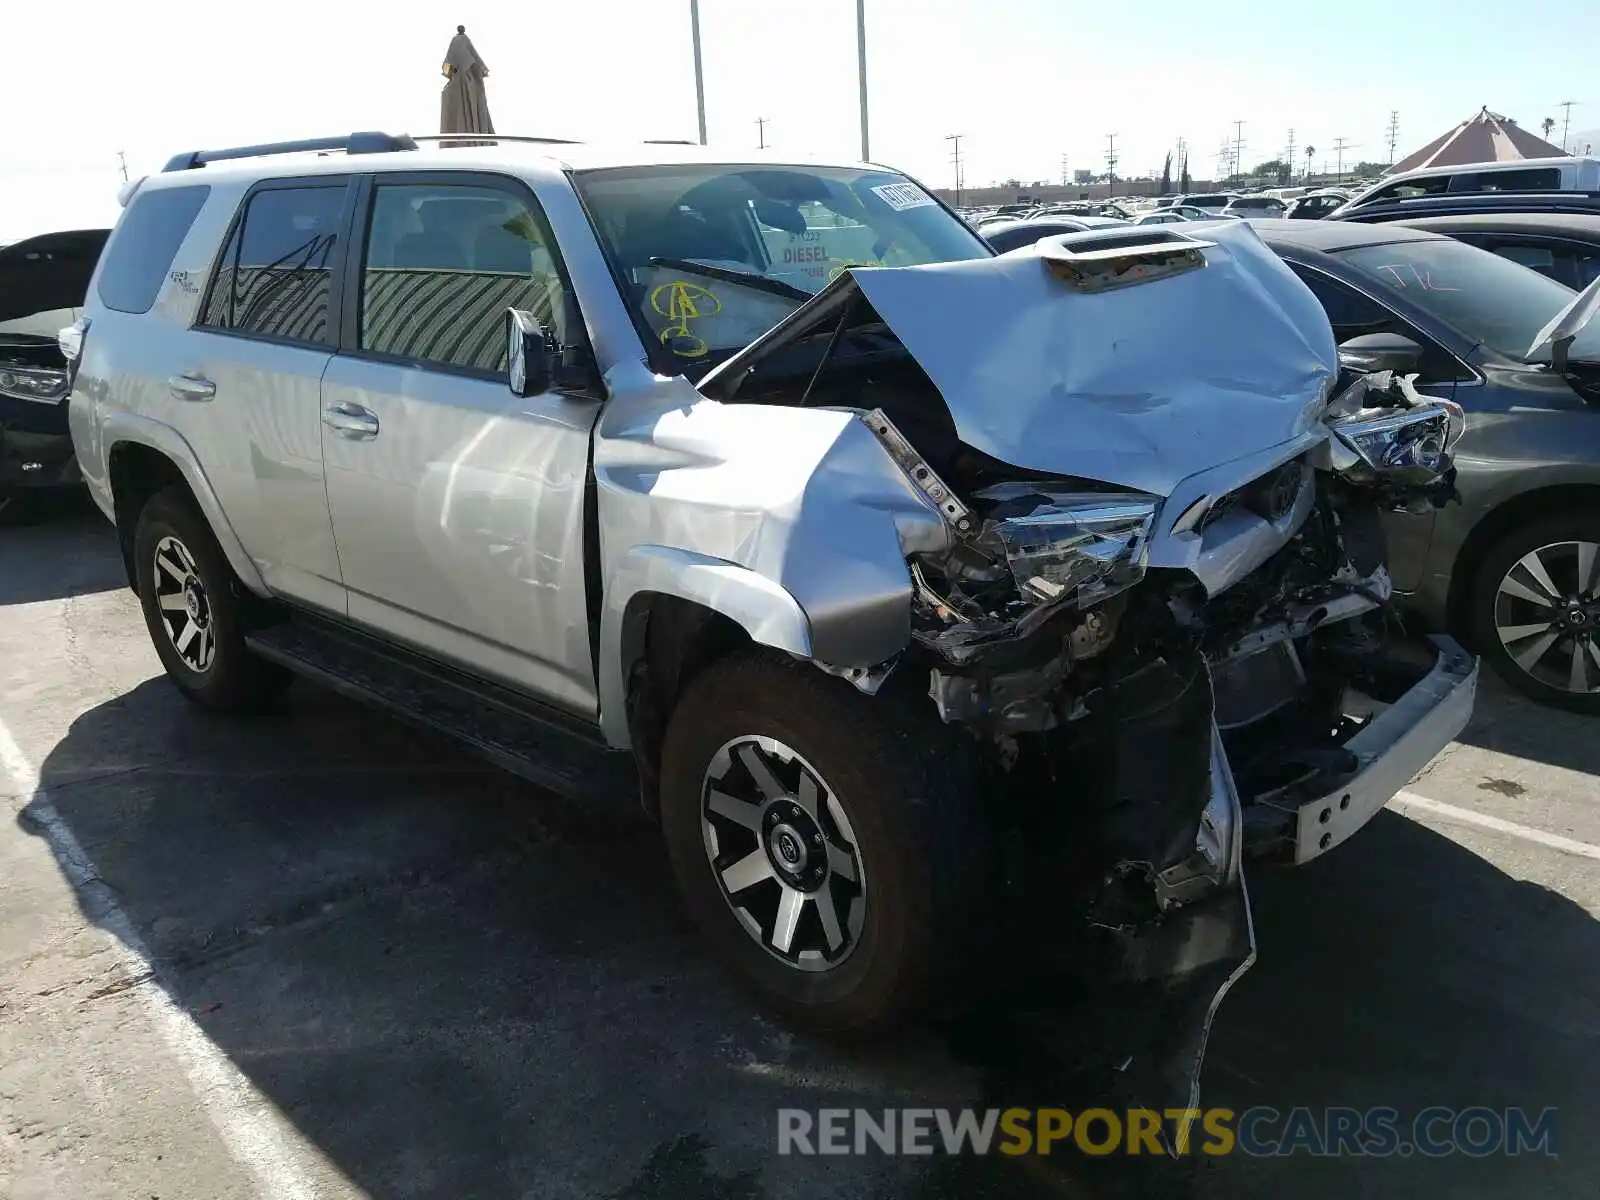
[(1520, 509), (138, 473), (666, 642)]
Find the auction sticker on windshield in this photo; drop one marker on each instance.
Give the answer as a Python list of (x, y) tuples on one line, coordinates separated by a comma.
[(901, 196)]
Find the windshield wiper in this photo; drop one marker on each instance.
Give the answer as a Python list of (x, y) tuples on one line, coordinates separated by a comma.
[(750, 279)]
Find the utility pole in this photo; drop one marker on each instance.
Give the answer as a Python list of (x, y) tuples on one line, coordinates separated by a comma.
[(1111, 164), (761, 131), (1566, 122), (1065, 178), (1289, 154), (122, 158), (699, 70), (1394, 133), (1340, 145), (861, 71), (955, 140), (1238, 147)]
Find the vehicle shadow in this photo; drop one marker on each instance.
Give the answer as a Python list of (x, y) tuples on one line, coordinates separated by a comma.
[(1509, 723), (59, 549), (453, 986)]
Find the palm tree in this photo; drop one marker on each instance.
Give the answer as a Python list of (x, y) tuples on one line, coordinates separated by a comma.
[(1547, 125), (1310, 150)]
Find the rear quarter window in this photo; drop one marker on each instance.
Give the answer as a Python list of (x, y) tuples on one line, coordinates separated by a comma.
[(142, 248)]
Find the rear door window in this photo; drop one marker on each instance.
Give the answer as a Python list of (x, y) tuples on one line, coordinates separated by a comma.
[(144, 244), (274, 278)]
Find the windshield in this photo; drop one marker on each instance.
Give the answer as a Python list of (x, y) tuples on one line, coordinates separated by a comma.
[(711, 257), (1490, 299)]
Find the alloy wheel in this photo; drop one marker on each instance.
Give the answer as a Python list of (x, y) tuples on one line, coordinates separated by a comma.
[(184, 606), (1547, 615), (783, 853)]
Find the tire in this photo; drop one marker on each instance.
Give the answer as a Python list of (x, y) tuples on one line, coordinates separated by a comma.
[(213, 667), (1540, 649), (907, 868)]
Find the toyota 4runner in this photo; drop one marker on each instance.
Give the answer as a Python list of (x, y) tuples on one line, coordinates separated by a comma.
[(908, 586)]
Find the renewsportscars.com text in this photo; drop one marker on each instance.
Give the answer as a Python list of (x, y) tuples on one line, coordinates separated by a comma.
[(1261, 1131)]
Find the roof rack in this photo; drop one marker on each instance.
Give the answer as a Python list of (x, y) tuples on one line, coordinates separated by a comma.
[(353, 143), (479, 138)]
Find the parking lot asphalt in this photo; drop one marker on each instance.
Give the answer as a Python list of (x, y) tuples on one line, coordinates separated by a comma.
[(320, 954)]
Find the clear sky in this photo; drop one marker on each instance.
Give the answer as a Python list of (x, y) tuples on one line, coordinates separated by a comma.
[(1025, 81)]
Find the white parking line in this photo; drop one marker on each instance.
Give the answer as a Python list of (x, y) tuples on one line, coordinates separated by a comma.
[(1404, 801), (241, 1115)]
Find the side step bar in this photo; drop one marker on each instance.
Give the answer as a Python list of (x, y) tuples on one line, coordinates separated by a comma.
[(543, 746)]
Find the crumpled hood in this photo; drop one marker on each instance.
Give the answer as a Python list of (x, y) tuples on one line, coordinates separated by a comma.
[(1141, 386)]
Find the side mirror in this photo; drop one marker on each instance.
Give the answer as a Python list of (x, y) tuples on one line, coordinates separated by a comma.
[(1381, 352), (528, 354)]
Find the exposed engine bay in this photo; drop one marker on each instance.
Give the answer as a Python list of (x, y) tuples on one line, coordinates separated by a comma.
[(1072, 623)]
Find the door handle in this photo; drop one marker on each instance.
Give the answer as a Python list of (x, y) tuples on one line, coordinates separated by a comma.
[(350, 420), (190, 386)]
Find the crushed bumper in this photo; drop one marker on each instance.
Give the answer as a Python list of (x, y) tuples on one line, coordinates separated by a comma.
[(1397, 744)]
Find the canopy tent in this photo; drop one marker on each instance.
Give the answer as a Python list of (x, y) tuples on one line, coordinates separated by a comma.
[(1486, 137)]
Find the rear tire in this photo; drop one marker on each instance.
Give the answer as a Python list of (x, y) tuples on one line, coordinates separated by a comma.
[(195, 609), (1535, 618), (823, 797)]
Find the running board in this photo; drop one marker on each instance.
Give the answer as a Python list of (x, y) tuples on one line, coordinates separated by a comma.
[(543, 746)]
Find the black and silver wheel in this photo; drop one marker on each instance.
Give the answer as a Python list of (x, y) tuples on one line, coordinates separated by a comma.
[(1537, 610), (185, 609), (825, 842), (194, 608), (783, 852)]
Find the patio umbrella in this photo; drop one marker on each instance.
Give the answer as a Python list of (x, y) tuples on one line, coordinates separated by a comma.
[(464, 106)]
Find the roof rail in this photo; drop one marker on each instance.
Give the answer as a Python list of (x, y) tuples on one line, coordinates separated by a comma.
[(669, 142), (353, 143), (479, 138)]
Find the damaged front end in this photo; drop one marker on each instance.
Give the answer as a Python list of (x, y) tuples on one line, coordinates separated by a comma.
[(1161, 607)]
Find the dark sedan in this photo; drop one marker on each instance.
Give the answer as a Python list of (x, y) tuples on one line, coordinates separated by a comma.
[(1514, 568), (1008, 235), (1564, 246)]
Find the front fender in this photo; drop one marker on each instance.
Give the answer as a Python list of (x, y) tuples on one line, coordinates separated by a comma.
[(123, 427), (764, 609)]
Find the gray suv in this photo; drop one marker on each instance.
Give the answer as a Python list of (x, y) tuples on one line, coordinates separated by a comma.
[(909, 587)]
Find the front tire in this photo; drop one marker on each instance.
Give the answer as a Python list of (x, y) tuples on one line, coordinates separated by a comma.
[(1535, 609), (825, 842), (195, 610)]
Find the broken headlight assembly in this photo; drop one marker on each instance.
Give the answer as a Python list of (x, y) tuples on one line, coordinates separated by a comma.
[(1389, 436), (40, 384), (1083, 546)]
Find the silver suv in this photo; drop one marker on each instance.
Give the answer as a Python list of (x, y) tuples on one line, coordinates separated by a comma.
[(912, 588)]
